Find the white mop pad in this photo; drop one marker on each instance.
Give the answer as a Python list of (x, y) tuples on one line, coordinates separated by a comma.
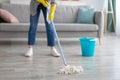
[(70, 70), (67, 69)]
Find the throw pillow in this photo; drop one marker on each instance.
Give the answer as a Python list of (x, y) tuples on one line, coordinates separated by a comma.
[(7, 16), (86, 15)]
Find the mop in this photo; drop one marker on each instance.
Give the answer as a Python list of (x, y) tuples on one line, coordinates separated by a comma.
[(67, 69)]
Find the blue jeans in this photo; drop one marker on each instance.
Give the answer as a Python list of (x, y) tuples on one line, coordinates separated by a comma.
[(34, 24)]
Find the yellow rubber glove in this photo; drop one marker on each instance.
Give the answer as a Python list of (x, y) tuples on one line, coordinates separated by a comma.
[(44, 2), (52, 12)]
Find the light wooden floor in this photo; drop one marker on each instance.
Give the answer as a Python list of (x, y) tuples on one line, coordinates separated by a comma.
[(105, 65)]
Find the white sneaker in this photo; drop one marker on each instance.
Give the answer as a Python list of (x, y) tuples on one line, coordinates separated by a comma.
[(29, 53), (55, 53)]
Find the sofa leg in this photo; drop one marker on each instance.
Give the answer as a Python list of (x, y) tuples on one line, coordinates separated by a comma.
[(99, 39)]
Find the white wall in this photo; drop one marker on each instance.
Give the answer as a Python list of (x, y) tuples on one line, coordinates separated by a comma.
[(98, 4), (118, 17)]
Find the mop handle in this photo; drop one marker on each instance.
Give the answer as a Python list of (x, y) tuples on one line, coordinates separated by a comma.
[(59, 45)]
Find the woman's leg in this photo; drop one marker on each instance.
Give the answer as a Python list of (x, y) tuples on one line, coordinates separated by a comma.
[(32, 32), (50, 34)]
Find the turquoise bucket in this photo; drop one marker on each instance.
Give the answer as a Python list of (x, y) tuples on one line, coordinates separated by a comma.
[(87, 46)]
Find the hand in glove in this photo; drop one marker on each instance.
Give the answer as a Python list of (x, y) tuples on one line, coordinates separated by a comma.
[(44, 2), (52, 12)]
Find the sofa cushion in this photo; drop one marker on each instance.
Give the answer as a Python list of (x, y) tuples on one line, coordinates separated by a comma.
[(76, 27), (86, 15), (67, 13), (18, 10), (41, 27), (22, 12), (7, 16)]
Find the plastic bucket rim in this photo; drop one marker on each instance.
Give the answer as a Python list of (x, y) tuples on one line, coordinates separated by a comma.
[(88, 39)]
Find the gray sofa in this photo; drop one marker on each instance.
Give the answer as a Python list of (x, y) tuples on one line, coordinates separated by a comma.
[(65, 22)]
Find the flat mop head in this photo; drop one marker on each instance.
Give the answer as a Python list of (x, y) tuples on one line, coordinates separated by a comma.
[(68, 70)]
